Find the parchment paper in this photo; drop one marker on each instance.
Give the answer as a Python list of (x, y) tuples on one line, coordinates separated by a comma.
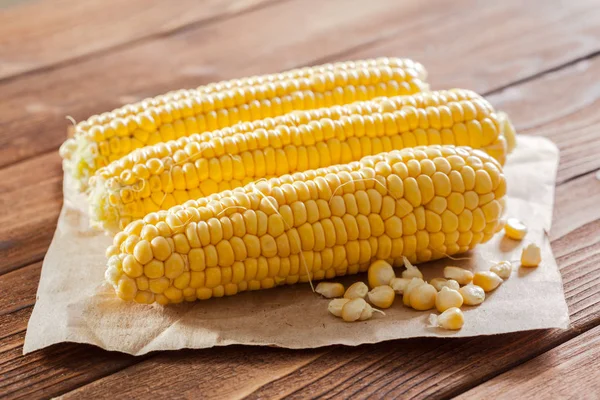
[(74, 305)]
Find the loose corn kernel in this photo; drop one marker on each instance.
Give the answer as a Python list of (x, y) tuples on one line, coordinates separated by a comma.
[(357, 290), (439, 283), (380, 273), (382, 296), (414, 282), (330, 290), (452, 319), (448, 298), (515, 229), (472, 295), (423, 297), (460, 275), (487, 280), (531, 256), (353, 309), (411, 271), (503, 269), (366, 313), (335, 306), (399, 284)]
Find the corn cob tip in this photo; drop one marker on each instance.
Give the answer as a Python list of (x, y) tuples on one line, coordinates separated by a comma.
[(509, 131)]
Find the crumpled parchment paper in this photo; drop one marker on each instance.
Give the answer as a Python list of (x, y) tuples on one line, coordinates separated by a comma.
[(75, 305)]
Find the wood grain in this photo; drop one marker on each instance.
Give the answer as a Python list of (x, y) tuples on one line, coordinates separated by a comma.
[(569, 371), (336, 29), (32, 190), (38, 35), (463, 43)]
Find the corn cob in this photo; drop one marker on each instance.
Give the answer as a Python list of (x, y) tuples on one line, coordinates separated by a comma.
[(167, 174), (422, 203), (107, 137)]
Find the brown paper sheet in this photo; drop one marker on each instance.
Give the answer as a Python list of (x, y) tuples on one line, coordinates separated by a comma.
[(74, 305)]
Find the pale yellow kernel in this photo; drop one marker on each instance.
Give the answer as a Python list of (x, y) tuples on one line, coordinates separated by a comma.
[(503, 269), (174, 266), (472, 295), (382, 296), (448, 298), (531, 256), (336, 305), (423, 297), (515, 229), (451, 319), (356, 290), (380, 273), (487, 280), (460, 275), (330, 290), (160, 248)]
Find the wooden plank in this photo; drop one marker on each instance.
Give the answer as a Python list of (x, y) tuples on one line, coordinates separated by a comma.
[(18, 288), (32, 192), (409, 368), (41, 34), (39, 102), (570, 371)]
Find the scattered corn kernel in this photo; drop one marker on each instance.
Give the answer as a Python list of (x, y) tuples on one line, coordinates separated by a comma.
[(440, 283), (335, 306), (472, 295), (366, 313), (399, 284), (423, 297), (414, 282), (382, 296), (503, 269), (448, 298), (487, 280), (330, 289), (380, 273), (411, 271), (357, 290), (515, 229), (531, 256), (452, 319), (460, 275), (353, 309)]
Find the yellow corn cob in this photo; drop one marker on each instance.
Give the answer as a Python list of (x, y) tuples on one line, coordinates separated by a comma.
[(167, 174), (422, 203), (107, 137)]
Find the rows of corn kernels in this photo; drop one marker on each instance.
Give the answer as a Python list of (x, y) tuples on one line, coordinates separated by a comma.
[(305, 175)]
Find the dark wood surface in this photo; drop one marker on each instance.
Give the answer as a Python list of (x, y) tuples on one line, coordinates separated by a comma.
[(536, 60)]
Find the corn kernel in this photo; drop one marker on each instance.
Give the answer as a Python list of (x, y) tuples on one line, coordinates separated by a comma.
[(414, 282), (472, 295), (380, 273), (460, 275), (411, 271), (440, 283), (382, 296), (503, 269), (448, 298), (452, 319), (330, 290), (423, 297), (335, 306), (366, 313), (515, 229), (357, 290), (487, 280), (352, 310), (531, 256), (399, 284)]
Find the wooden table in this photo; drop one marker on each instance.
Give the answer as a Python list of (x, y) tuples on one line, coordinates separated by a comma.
[(537, 60)]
